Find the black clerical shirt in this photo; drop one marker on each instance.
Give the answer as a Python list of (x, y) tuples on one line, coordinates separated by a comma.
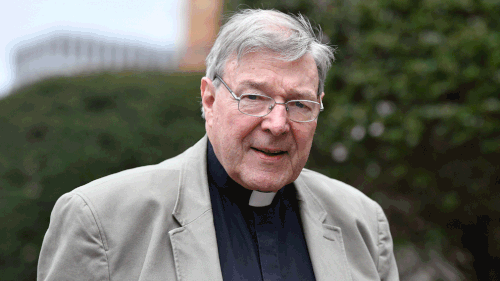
[(256, 243)]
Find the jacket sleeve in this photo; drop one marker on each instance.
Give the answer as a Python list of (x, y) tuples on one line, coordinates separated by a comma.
[(73, 247), (387, 268)]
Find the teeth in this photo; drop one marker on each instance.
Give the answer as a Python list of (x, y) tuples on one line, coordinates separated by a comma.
[(270, 152)]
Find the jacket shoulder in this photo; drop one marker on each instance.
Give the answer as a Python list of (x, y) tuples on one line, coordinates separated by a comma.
[(327, 189), (139, 193), (134, 184), (345, 206)]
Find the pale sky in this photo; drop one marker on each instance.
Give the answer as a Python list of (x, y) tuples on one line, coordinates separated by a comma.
[(159, 22)]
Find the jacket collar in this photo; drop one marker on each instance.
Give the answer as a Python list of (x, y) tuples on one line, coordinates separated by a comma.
[(193, 198)]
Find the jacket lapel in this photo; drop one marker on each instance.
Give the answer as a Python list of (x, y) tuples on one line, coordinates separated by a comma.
[(194, 244), (195, 250), (324, 242)]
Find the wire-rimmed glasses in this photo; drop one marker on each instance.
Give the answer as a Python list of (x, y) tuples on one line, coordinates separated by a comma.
[(261, 105)]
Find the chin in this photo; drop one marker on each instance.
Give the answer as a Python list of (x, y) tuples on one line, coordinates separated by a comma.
[(264, 185)]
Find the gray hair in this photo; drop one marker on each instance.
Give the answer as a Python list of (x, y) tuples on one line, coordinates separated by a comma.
[(251, 30)]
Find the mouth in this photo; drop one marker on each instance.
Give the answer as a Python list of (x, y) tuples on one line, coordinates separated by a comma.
[(269, 152)]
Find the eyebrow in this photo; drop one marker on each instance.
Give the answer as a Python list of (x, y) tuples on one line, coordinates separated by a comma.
[(262, 86)]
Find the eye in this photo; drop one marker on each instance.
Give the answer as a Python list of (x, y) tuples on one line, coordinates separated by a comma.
[(254, 98), (303, 105), (299, 104)]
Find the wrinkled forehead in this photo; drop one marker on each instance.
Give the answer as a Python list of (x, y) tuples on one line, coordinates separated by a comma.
[(235, 59), (265, 73), (305, 66)]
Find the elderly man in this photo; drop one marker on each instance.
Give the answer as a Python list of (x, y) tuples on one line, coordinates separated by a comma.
[(239, 204)]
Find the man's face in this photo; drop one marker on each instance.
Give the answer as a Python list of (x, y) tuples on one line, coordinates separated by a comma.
[(261, 153)]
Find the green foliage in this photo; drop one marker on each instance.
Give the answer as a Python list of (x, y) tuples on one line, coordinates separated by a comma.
[(65, 132), (413, 117)]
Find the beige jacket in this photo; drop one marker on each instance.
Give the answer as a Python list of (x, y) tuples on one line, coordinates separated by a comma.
[(156, 223)]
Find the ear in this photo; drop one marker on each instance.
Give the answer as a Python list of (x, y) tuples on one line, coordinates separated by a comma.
[(207, 89), (321, 100)]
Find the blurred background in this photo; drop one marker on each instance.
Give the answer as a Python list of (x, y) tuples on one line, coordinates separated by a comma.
[(412, 113)]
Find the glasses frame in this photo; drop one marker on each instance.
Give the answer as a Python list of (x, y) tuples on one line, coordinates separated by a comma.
[(275, 103)]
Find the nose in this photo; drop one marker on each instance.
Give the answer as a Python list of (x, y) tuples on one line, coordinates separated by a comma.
[(277, 121)]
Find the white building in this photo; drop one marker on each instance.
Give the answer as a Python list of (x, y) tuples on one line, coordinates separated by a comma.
[(66, 54)]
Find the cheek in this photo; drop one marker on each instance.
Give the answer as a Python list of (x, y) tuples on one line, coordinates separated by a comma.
[(304, 138), (304, 135), (233, 130), (243, 126), (222, 120)]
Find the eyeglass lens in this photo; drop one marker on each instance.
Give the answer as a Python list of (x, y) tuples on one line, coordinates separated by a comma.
[(298, 110)]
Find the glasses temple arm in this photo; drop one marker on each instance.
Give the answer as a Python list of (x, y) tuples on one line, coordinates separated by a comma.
[(227, 87)]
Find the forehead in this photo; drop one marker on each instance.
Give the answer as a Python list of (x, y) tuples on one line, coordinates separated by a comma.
[(266, 69)]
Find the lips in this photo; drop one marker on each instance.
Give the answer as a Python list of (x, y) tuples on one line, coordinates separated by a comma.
[(270, 152)]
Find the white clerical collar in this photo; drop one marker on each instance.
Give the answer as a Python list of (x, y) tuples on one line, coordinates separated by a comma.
[(261, 199)]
